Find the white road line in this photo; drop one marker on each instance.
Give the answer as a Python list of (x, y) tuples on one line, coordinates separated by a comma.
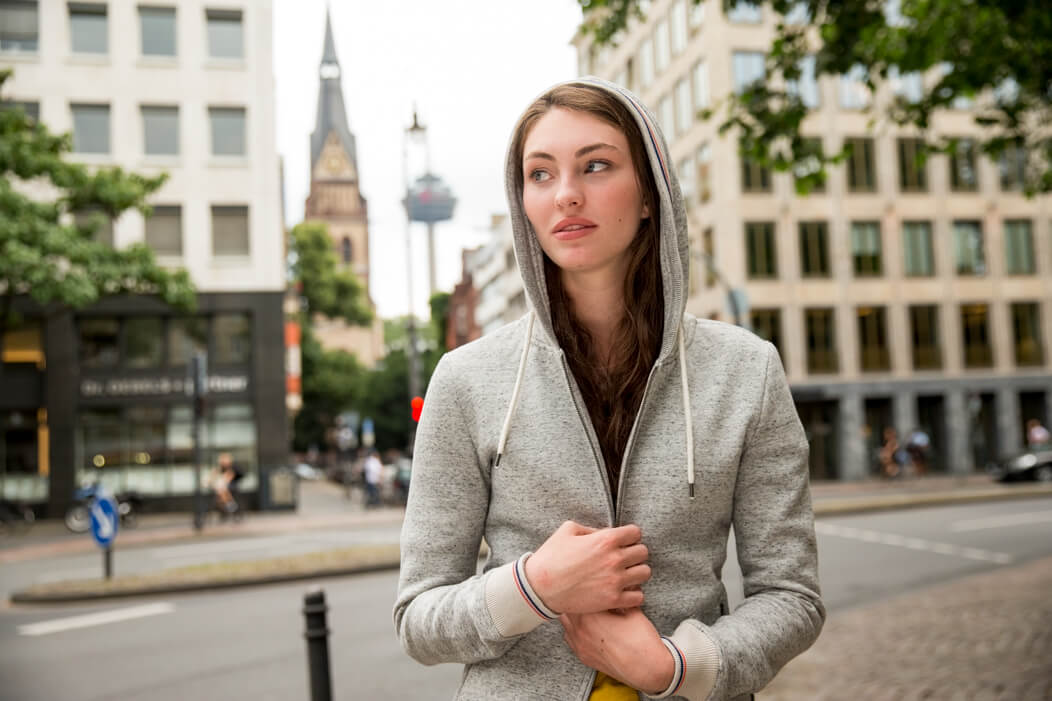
[(1004, 521), (893, 539), (95, 619)]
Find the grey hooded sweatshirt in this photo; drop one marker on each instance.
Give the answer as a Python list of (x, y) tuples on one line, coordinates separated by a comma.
[(505, 451)]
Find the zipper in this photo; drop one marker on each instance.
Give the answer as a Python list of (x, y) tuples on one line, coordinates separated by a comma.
[(586, 424), (631, 443)]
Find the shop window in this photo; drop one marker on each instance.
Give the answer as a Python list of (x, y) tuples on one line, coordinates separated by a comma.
[(233, 339), (24, 344), (99, 342), (143, 342), (21, 475), (186, 337)]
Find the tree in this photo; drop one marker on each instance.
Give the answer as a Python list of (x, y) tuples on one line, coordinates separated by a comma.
[(49, 258), (333, 380), (996, 54)]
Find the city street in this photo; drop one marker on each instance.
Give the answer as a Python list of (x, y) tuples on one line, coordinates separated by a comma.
[(248, 643)]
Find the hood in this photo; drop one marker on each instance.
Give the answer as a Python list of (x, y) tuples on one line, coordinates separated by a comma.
[(675, 247)]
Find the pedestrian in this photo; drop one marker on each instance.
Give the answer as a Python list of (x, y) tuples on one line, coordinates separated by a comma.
[(224, 479), (892, 455), (918, 448), (603, 445), (1037, 436), (373, 472)]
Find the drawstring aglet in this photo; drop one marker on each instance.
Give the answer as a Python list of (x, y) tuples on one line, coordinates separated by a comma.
[(496, 463), (691, 485)]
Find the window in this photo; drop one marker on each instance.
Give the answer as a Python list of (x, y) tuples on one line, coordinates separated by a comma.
[(662, 46), (767, 324), (1019, 247), (865, 248), (164, 230), (811, 163), (761, 256), (697, 15), (968, 248), (745, 13), (160, 129), (755, 178), (646, 62), (701, 85), (1026, 334), (18, 25), (230, 231), (667, 116), (747, 67), (684, 110), (821, 340), (187, 335), (976, 333), (157, 29), (228, 130), (345, 250), (908, 86), (87, 28), (224, 34), (100, 225), (964, 177), (873, 339), (806, 87), (686, 170), (677, 18), (924, 333), (91, 128), (99, 343), (30, 109), (861, 166), (1012, 165), (854, 93), (913, 176), (704, 161), (814, 249), (143, 342), (233, 338), (917, 249)]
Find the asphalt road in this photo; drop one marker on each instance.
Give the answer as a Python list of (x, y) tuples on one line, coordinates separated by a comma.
[(248, 643)]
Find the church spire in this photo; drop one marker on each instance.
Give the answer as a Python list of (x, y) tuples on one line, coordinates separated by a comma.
[(331, 113)]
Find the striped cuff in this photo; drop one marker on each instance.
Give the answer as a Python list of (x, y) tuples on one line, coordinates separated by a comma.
[(680, 673), (513, 605)]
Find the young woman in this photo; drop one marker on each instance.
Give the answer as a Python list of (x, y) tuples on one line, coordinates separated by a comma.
[(603, 446)]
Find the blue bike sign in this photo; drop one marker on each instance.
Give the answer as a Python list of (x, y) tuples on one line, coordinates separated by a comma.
[(104, 519)]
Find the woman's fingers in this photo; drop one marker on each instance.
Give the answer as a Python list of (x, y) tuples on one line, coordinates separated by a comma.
[(634, 554), (636, 575)]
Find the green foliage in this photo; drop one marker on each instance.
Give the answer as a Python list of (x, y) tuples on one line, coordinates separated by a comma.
[(58, 263), (324, 288), (997, 53), (439, 304), (333, 382)]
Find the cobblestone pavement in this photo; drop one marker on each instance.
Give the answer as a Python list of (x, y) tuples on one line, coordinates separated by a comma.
[(983, 637)]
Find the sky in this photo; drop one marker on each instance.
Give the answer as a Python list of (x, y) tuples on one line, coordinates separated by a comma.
[(469, 66)]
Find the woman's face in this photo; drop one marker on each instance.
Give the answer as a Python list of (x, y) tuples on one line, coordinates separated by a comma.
[(580, 191)]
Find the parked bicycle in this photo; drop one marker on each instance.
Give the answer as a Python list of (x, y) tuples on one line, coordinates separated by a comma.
[(15, 517)]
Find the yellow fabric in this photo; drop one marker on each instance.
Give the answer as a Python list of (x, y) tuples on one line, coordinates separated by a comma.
[(607, 689)]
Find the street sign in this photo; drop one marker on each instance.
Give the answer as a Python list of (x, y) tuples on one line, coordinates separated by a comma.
[(368, 435), (104, 520)]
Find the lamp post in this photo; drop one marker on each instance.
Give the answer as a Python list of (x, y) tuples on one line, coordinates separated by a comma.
[(414, 130)]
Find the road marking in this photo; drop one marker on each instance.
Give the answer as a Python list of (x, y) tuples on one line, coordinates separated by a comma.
[(893, 539), (95, 619), (1004, 521)]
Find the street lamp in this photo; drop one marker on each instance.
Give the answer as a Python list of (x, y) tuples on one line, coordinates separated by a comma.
[(415, 130)]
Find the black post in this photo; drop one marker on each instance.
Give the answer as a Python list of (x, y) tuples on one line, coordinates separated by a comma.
[(317, 635), (199, 386), (107, 561)]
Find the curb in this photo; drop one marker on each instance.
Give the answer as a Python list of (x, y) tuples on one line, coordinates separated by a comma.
[(96, 591)]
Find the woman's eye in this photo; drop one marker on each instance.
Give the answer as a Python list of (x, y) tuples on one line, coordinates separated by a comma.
[(596, 166), (539, 176)]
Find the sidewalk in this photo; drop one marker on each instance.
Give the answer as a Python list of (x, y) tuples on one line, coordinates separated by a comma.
[(323, 506), (984, 637)]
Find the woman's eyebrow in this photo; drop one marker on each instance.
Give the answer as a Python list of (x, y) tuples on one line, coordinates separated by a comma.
[(580, 152)]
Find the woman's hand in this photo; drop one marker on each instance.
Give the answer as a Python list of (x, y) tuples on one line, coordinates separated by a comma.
[(622, 644), (582, 570)]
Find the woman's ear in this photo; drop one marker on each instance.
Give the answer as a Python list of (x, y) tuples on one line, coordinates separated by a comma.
[(646, 211)]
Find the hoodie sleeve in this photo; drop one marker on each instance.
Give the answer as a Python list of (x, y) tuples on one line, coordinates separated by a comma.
[(444, 611), (782, 614)]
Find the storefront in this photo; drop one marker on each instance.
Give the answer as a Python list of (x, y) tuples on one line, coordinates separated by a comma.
[(115, 405)]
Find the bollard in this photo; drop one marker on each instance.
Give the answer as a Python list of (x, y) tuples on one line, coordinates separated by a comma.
[(317, 635)]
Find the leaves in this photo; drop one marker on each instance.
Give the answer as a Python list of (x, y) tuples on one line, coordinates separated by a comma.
[(324, 288), (996, 53)]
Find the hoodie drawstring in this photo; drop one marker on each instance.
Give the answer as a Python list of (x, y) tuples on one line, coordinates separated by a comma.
[(686, 411), (687, 417), (515, 392)]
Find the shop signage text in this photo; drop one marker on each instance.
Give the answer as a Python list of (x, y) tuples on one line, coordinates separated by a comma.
[(154, 386)]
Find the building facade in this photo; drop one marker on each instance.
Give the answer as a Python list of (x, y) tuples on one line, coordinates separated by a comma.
[(179, 87), (904, 294), (336, 199)]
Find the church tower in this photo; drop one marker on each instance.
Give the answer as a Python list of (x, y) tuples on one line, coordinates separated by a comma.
[(335, 198)]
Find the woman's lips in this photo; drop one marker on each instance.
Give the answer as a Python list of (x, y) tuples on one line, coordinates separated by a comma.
[(574, 232)]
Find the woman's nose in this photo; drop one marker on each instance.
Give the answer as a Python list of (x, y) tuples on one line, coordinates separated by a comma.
[(569, 194)]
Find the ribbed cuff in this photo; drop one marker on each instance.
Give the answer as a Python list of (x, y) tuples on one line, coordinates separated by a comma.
[(512, 602), (701, 661)]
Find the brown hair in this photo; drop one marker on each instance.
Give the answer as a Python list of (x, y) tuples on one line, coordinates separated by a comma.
[(612, 393)]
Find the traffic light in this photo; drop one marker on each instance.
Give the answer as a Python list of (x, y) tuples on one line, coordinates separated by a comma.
[(418, 405)]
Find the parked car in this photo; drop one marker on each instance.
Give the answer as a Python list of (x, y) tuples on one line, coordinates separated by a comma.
[(1035, 464)]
